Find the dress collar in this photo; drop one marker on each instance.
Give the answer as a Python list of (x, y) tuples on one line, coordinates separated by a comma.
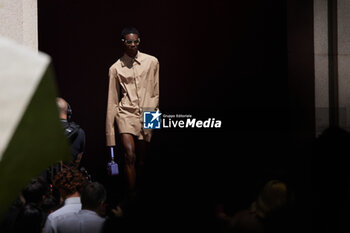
[(126, 60)]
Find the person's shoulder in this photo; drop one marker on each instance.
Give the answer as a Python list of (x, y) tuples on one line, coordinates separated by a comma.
[(52, 216), (73, 124), (149, 57), (89, 214), (81, 131), (115, 65), (64, 210), (57, 213)]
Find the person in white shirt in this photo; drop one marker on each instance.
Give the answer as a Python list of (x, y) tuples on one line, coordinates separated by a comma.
[(69, 183), (90, 218)]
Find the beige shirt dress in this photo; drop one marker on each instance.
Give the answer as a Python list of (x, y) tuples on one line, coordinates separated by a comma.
[(133, 88)]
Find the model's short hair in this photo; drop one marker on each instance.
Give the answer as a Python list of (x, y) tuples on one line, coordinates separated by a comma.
[(92, 195), (129, 30)]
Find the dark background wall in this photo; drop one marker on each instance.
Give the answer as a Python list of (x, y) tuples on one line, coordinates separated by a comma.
[(220, 59)]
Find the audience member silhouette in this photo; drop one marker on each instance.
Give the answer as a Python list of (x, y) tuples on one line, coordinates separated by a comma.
[(26, 212), (30, 219), (261, 216), (69, 182), (89, 219), (329, 173), (35, 191)]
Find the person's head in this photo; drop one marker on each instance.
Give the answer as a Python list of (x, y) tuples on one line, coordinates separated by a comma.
[(35, 191), (49, 204), (271, 199), (93, 197), (62, 107), (130, 37), (69, 182), (30, 219)]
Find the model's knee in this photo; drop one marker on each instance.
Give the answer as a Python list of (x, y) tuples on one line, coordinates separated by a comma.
[(130, 157)]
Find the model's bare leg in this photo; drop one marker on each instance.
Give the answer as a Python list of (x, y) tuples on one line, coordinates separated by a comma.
[(141, 151), (130, 159)]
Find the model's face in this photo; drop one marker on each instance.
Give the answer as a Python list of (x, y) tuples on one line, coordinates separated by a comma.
[(131, 44)]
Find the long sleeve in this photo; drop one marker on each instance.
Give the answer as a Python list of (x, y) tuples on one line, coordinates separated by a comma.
[(112, 106), (156, 85)]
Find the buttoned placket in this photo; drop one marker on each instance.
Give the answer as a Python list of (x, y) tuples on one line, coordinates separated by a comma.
[(136, 87)]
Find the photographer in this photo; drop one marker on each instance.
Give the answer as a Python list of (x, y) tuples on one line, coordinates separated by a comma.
[(73, 131)]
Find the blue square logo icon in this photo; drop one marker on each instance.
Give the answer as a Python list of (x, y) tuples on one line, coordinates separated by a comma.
[(151, 120)]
